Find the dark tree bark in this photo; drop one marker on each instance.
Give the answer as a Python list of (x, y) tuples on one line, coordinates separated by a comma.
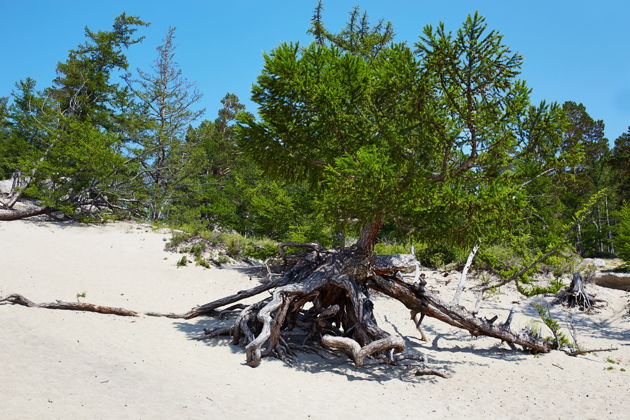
[(367, 237)]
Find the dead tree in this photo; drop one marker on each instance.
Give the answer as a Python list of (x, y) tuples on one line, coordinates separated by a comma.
[(575, 295)]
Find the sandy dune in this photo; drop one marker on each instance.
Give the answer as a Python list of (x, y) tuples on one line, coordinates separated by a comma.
[(63, 364)]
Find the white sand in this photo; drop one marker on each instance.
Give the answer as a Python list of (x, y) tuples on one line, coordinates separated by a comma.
[(66, 364)]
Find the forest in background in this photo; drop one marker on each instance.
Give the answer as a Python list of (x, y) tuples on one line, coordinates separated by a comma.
[(448, 152)]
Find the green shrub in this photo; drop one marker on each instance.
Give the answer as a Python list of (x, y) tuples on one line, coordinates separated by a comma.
[(261, 249), (234, 244), (497, 257), (435, 257), (178, 239), (221, 259), (559, 340), (183, 261), (200, 261), (392, 248)]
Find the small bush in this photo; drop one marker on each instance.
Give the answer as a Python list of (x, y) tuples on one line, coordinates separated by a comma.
[(183, 261), (179, 238), (497, 257), (198, 249), (559, 340), (234, 243), (222, 259), (436, 257), (261, 249), (200, 261), (389, 248)]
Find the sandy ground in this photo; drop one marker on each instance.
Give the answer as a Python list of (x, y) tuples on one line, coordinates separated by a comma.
[(64, 364)]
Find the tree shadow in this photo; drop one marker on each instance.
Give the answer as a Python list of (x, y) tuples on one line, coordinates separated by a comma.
[(322, 362), (339, 364)]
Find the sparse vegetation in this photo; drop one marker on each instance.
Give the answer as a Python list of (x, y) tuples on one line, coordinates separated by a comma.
[(206, 247), (559, 339), (183, 261)]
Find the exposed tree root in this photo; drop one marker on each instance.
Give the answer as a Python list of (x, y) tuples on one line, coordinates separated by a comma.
[(575, 295), (323, 302), (73, 306), (430, 305), (358, 353)]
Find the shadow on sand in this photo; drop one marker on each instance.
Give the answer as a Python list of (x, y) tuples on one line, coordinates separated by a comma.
[(416, 350)]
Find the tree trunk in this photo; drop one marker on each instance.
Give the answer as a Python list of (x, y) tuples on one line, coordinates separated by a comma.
[(7, 215), (611, 246), (600, 242), (367, 237), (462, 279)]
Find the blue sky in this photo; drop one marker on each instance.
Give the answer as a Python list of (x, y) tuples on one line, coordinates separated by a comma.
[(573, 50)]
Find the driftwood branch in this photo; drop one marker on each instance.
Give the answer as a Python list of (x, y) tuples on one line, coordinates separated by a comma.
[(462, 278), (72, 306), (12, 214), (579, 352), (575, 295)]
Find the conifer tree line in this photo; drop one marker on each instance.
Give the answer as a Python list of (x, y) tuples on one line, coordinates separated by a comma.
[(434, 140)]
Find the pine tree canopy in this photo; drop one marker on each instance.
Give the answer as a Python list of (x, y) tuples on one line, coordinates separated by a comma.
[(438, 137)]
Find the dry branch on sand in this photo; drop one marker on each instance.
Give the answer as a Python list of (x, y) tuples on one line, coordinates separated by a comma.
[(72, 306)]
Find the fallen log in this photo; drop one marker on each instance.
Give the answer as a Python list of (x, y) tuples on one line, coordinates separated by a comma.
[(8, 215), (72, 306)]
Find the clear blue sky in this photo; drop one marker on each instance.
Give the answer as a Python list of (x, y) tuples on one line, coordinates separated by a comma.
[(573, 50)]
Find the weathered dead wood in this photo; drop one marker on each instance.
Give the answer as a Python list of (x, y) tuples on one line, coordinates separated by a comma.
[(72, 306), (238, 296), (434, 372), (462, 277), (430, 305), (8, 215), (253, 349), (579, 352), (575, 295), (389, 264), (358, 353), (323, 301)]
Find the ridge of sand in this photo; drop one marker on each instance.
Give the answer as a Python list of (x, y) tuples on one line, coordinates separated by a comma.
[(62, 364)]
